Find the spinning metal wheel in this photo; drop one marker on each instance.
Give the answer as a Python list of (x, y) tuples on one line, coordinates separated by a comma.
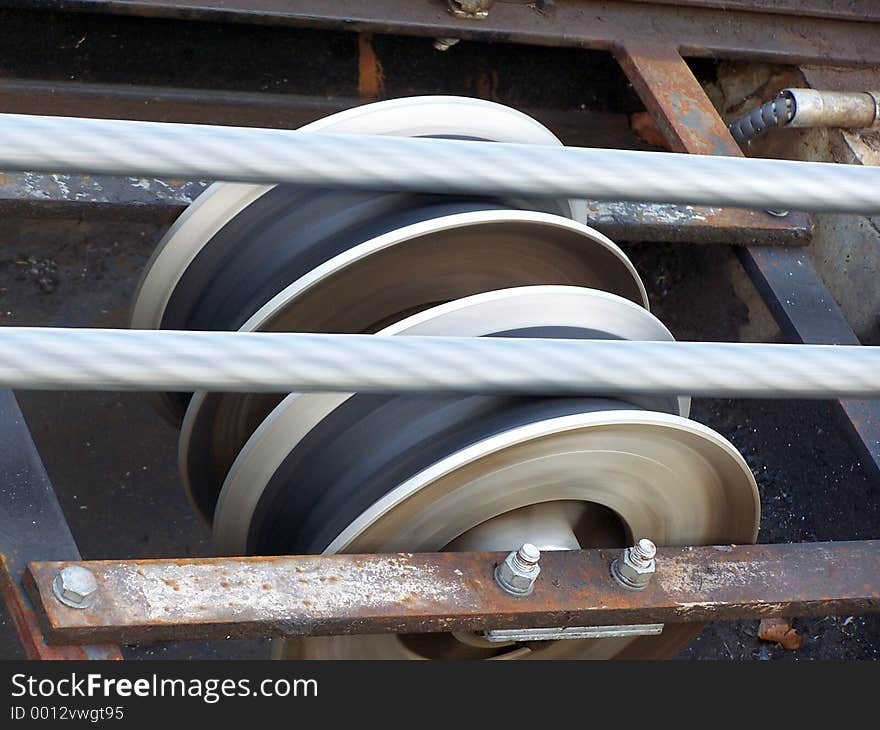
[(365, 473)]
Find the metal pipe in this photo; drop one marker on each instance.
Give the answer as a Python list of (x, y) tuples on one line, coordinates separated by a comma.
[(153, 149), (843, 109), (809, 108), (99, 359)]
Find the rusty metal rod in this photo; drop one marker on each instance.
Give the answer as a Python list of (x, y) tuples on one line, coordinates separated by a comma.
[(155, 149), (157, 600), (845, 109), (810, 108)]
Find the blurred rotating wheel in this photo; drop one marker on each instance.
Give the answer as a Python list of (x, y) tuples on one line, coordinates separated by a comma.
[(356, 473), (382, 281), (590, 479), (313, 473), (301, 426), (238, 245)]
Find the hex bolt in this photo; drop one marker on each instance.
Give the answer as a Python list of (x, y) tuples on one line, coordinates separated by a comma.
[(75, 586), (644, 550), (635, 566), (519, 571)]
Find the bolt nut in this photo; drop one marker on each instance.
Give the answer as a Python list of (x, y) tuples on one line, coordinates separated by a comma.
[(635, 566), (75, 586), (519, 571)]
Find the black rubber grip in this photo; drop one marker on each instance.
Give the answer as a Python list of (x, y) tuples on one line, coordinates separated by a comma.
[(776, 113)]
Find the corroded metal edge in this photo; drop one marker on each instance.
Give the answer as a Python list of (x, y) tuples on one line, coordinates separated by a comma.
[(156, 600)]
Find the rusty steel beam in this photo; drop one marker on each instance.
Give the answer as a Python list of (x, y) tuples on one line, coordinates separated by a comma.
[(157, 600), (857, 10), (661, 223), (793, 290), (700, 30), (102, 198), (99, 198), (31, 525)]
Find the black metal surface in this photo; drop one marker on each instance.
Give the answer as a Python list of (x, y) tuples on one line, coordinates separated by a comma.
[(807, 313), (32, 527), (194, 71), (279, 238)]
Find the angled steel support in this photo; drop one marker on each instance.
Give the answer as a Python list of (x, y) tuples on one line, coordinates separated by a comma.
[(802, 306)]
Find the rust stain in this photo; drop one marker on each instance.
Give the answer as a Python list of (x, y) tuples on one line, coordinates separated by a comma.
[(27, 626), (645, 128), (371, 75), (780, 631), (370, 594)]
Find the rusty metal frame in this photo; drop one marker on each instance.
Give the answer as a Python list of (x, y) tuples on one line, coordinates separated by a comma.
[(566, 24), (98, 198), (648, 37), (160, 600), (32, 526), (804, 309), (837, 32)]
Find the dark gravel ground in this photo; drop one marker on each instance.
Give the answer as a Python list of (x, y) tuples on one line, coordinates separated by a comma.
[(113, 460)]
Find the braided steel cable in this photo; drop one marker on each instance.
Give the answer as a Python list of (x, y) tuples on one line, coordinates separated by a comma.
[(99, 359), (153, 149)]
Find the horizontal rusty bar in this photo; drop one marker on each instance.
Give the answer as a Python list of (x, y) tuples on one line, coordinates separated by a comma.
[(626, 221), (157, 600), (855, 10), (597, 24), (29, 195)]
